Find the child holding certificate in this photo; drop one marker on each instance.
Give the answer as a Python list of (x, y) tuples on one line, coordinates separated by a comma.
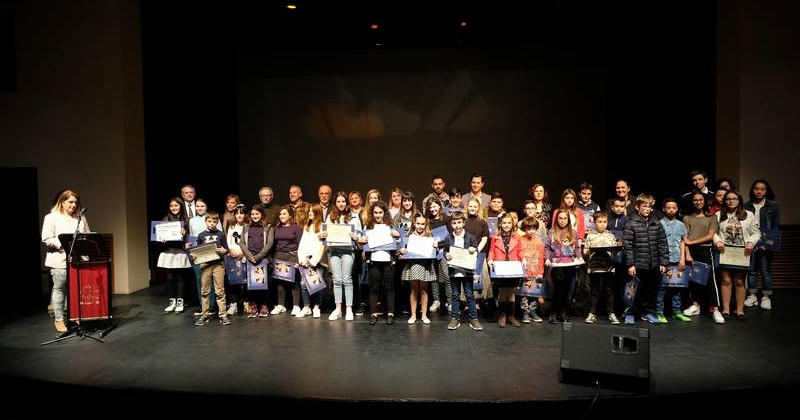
[(419, 272), (505, 246), (562, 247), (212, 270), (174, 259), (737, 227), (381, 263), (341, 259), (459, 276), (600, 267)]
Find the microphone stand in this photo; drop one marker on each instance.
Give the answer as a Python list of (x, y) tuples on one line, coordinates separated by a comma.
[(78, 330)]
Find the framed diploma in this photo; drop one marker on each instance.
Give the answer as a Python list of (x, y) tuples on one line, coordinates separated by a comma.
[(169, 231), (507, 269), (419, 247), (338, 235), (205, 253), (462, 258), (734, 259), (257, 275)]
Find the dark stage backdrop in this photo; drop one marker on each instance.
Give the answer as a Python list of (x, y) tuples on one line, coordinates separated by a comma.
[(580, 93), (396, 121)]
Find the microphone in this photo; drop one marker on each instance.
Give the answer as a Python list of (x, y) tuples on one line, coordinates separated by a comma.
[(83, 210)]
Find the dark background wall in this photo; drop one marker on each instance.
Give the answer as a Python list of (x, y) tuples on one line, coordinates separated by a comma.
[(569, 93)]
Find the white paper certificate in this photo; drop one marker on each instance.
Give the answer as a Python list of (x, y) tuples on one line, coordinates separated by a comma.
[(205, 253), (508, 269), (170, 231), (339, 235), (462, 258), (576, 261), (379, 235), (420, 247), (734, 255)]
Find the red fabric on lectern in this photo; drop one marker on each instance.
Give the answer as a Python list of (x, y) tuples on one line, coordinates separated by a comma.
[(94, 291)]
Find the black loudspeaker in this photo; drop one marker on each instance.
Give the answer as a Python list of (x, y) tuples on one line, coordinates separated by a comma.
[(606, 356)]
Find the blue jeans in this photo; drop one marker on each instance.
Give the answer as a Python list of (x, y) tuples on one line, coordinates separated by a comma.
[(309, 299), (59, 290), (763, 264), (455, 302), (676, 293), (341, 266)]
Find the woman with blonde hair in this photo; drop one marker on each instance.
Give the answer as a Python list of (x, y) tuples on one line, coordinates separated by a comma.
[(64, 217)]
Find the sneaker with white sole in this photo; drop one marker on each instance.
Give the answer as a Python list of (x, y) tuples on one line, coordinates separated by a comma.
[(692, 310), (590, 319), (336, 314), (179, 305), (412, 320), (278, 309), (536, 318), (202, 320), (426, 320), (651, 318), (302, 312), (612, 318), (232, 309), (718, 318), (316, 313), (435, 306), (766, 303), (225, 320), (752, 300), (662, 319), (171, 306), (263, 313), (296, 310), (681, 317), (630, 319), (454, 324), (526, 318), (475, 325), (348, 314)]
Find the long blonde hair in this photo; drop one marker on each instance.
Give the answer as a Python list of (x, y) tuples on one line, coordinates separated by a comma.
[(63, 196)]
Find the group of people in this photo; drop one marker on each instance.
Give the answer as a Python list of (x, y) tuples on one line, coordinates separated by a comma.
[(556, 247)]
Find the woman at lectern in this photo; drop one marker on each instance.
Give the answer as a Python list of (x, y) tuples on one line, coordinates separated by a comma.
[(65, 217)]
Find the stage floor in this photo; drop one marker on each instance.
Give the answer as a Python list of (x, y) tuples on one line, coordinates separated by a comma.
[(316, 361)]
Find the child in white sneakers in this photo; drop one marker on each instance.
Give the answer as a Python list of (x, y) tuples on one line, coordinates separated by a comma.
[(601, 245)]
